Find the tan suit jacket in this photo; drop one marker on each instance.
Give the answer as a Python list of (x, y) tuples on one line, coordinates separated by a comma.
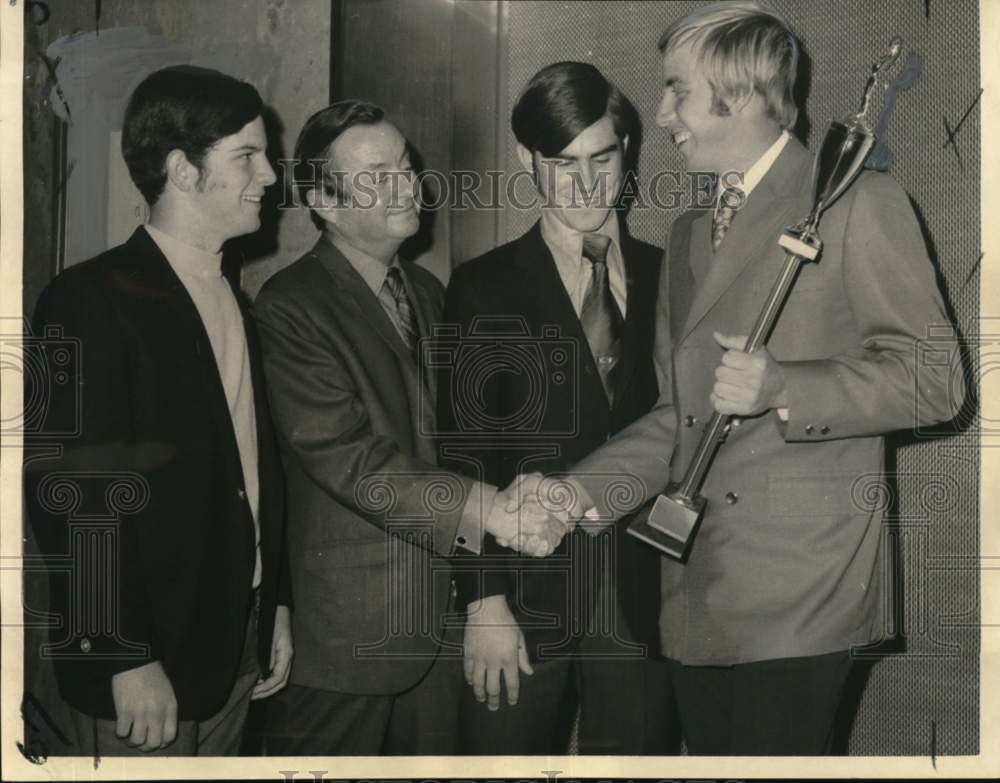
[(789, 557)]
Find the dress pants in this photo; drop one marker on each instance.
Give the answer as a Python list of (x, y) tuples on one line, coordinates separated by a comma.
[(423, 721), (625, 704), (782, 707), (219, 735)]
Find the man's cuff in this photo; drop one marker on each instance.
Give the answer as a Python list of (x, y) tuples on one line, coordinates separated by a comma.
[(477, 508), (782, 413)]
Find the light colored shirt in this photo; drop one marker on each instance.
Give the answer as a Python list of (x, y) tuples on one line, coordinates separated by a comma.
[(758, 170), (576, 272), (201, 274)]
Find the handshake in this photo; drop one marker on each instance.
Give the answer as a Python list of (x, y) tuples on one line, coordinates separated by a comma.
[(533, 514)]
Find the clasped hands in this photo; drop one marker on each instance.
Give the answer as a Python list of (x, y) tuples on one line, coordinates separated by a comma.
[(533, 513)]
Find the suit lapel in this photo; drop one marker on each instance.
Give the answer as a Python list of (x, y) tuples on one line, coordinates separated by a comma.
[(354, 292), (677, 263), (154, 273), (766, 212)]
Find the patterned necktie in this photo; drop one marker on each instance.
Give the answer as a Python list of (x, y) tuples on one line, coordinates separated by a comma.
[(397, 290), (729, 203), (600, 317)]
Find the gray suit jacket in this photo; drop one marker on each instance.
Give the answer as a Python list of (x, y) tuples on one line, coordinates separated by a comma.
[(370, 518), (788, 561)]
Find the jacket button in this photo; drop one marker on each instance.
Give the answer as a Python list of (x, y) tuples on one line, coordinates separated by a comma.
[(241, 494), (809, 429), (732, 498), (85, 644), (689, 421), (825, 431)]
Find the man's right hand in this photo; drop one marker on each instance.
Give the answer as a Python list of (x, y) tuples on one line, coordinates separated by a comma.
[(146, 707), (494, 645)]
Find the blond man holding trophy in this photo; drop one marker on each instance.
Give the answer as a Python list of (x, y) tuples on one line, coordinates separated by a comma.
[(796, 343)]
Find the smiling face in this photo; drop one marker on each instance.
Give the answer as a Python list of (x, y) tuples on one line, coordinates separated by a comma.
[(580, 185), (234, 174), (707, 140), (377, 209)]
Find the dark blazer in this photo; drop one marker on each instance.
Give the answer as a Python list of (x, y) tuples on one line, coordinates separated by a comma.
[(148, 479), (371, 519), (788, 560), (544, 417)]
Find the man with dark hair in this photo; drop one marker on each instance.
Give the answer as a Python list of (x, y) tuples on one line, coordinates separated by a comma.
[(586, 615), (371, 518), (175, 437), (785, 575)]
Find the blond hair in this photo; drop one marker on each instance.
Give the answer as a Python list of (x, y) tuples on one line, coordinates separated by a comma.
[(743, 48)]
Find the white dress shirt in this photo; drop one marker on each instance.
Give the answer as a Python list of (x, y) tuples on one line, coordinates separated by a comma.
[(576, 272)]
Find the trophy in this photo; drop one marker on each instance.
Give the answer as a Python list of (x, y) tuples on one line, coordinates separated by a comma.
[(676, 514)]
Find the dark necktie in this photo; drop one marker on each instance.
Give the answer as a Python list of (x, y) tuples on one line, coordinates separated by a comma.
[(600, 317), (724, 213), (404, 310)]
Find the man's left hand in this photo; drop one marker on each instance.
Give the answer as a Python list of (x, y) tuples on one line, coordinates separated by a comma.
[(746, 384), (282, 652)]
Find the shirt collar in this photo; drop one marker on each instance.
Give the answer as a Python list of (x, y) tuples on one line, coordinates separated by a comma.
[(567, 243), (184, 258), (758, 170), (372, 270)]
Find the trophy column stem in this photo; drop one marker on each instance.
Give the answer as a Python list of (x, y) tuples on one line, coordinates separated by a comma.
[(718, 425)]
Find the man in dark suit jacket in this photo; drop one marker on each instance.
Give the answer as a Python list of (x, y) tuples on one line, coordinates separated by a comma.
[(371, 517), (576, 296), (167, 492), (785, 575)]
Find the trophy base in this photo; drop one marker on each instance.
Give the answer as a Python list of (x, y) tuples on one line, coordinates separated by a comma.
[(671, 524)]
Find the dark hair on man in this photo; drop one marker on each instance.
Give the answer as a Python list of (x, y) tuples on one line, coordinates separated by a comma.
[(319, 132), (181, 108), (564, 99)]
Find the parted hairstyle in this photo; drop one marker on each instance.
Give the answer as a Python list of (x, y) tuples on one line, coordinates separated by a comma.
[(743, 48), (181, 108), (313, 167), (564, 99), (318, 134)]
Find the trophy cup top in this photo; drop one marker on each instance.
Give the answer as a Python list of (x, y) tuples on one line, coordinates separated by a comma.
[(846, 144)]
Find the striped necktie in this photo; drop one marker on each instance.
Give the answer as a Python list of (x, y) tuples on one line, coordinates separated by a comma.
[(725, 211), (406, 323), (600, 317)]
